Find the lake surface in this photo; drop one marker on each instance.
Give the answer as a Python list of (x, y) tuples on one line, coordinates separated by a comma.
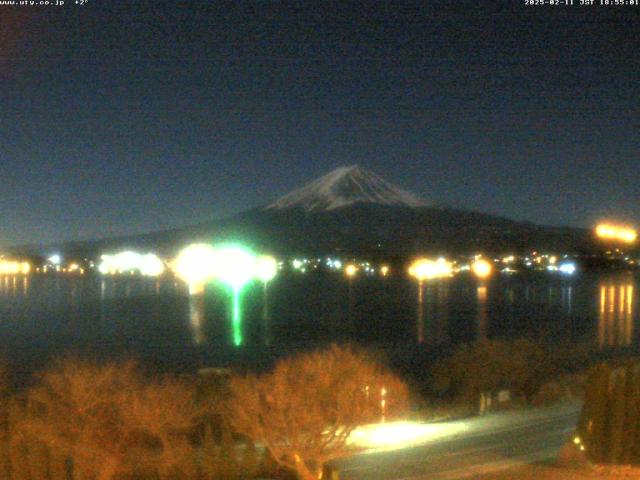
[(157, 321)]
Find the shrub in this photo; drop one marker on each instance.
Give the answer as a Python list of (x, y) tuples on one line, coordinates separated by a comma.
[(486, 366), (609, 428), (108, 422), (305, 410)]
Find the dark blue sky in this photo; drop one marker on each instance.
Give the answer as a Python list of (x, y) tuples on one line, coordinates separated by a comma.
[(125, 117)]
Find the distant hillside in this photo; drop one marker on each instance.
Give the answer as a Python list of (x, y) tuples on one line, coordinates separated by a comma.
[(351, 210)]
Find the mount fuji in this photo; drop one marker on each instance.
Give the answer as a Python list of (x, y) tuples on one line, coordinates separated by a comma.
[(352, 211), (346, 186)]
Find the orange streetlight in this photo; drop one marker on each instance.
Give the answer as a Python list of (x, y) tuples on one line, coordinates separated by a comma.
[(481, 268)]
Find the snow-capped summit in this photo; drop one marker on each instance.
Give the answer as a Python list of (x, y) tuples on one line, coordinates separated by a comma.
[(346, 186)]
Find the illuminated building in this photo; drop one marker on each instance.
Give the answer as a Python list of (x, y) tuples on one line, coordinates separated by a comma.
[(607, 231)]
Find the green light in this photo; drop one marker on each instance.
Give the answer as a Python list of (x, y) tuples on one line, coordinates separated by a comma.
[(236, 322), (235, 267)]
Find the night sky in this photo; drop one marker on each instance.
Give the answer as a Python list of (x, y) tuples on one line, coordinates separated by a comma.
[(127, 117)]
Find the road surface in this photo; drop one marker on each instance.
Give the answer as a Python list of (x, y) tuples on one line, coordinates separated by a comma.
[(469, 448)]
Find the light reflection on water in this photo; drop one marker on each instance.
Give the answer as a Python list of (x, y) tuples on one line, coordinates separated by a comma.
[(567, 299), (616, 313), (196, 318), (158, 319), (481, 293)]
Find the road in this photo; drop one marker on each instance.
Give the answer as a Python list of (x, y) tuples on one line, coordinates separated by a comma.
[(469, 448)]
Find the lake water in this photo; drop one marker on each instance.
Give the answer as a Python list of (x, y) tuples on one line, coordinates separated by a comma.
[(157, 321)]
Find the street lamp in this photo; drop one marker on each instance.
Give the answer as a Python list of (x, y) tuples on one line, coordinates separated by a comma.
[(481, 268), (350, 270)]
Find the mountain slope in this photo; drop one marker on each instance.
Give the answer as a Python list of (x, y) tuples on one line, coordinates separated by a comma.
[(346, 186), (353, 211)]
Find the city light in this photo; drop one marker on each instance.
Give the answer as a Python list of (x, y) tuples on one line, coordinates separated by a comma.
[(350, 270), (196, 265), (567, 268), (233, 265), (13, 267), (481, 268), (131, 262), (426, 269), (384, 270), (266, 268), (151, 266), (608, 231), (55, 259)]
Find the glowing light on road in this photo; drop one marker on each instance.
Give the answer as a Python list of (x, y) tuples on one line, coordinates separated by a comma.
[(398, 435), (481, 268), (384, 270), (608, 231)]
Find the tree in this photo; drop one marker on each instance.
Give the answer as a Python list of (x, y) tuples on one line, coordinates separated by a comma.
[(608, 427), (617, 418), (488, 365), (592, 425), (306, 409), (109, 421)]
